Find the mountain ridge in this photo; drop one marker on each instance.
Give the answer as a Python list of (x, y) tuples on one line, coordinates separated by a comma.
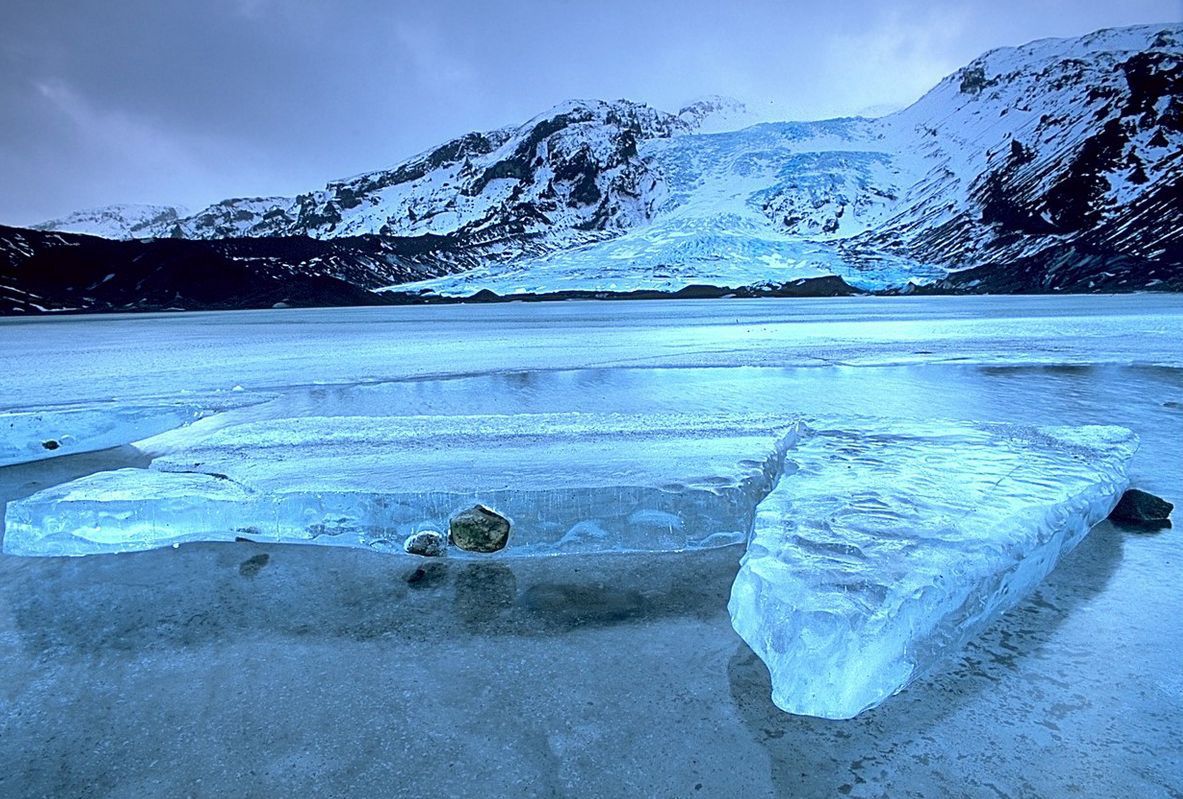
[(1063, 157)]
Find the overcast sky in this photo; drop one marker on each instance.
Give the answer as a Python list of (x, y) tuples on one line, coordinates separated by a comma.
[(190, 102)]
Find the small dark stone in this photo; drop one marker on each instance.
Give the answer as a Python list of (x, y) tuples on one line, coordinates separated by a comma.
[(427, 543), (479, 529), (51, 444), (1142, 508), (253, 565)]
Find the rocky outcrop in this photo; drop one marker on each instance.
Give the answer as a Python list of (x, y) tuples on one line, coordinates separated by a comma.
[(1142, 508)]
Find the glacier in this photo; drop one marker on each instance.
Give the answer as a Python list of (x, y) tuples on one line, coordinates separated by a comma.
[(886, 551), (976, 172)]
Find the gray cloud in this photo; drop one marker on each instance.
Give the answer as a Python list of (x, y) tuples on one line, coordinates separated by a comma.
[(183, 102)]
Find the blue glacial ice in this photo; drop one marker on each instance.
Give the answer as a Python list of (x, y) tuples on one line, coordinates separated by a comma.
[(874, 546), (31, 435), (887, 549), (570, 482)]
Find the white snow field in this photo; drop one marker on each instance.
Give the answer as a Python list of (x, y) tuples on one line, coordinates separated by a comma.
[(625, 427), (888, 549)]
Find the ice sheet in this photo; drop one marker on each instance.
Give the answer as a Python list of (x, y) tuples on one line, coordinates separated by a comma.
[(510, 357), (569, 482), (156, 355), (888, 548)]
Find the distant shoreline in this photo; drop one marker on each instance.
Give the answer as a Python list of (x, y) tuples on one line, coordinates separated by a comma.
[(693, 292)]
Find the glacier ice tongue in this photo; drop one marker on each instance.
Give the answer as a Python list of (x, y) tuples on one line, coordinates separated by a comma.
[(570, 482), (886, 550)]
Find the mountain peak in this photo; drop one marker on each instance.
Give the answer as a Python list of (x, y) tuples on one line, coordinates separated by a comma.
[(118, 221), (714, 113)]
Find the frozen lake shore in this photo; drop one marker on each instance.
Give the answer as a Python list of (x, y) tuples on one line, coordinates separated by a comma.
[(650, 658)]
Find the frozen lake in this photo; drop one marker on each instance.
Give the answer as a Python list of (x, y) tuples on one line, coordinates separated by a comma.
[(52, 361), (213, 668)]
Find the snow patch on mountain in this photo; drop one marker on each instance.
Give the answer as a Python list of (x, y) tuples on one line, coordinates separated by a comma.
[(716, 114)]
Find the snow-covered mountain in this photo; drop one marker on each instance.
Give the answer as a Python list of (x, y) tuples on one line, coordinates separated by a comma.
[(1052, 166), (1061, 141), (574, 168), (118, 221), (716, 114), (1065, 150)]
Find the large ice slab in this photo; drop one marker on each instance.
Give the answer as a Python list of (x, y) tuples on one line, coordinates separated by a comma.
[(570, 482), (890, 546)]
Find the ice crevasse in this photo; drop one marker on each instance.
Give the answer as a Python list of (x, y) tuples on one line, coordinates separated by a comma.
[(875, 547)]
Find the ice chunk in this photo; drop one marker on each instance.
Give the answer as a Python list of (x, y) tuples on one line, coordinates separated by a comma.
[(569, 482), (125, 510), (885, 550), (34, 435)]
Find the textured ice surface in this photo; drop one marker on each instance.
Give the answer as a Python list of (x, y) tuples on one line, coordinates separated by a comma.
[(541, 358), (569, 482), (140, 356), (33, 435), (890, 546)]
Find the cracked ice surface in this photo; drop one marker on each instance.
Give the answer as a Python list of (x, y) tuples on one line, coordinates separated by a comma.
[(892, 545), (570, 482)]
